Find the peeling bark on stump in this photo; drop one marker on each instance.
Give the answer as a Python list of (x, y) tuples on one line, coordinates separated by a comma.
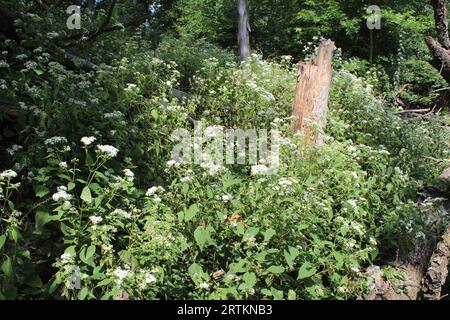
[(312, 92)]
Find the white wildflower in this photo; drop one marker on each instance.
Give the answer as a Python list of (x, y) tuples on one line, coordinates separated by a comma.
[(8, 174), (61, 194), (95, 219), (259, 170), (150, 279), (88, 140), (129, 174), (204, 286), (107, 150), (55, 140)]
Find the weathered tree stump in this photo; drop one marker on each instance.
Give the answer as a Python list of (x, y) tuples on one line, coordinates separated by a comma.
[(312, 93)]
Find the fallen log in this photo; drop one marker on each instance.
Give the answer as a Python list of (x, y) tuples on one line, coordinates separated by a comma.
[(437, 272), (425, 268)]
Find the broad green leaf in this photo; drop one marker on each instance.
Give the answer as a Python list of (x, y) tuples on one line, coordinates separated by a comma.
[(292, 295), (191, 212), (2, 240), (83, 293), (202, 237), (306, 270), (41, 191), (276, 269), (90, 252), (42, 218), (7, 267), (155, 114), (71, 186), (86, 195), (249, 279), (269, 234), (34, 281), (104, 282)]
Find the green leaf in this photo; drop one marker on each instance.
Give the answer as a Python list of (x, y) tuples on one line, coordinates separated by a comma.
[(83, 293), (180, 216), (276, 269), (7, 267), (306, 270), (191, 212), (291, 255), (34, 281), (90, 252), (42, 218), (2, 240), (86, 195), (155, 114), (292, 295), (14, 235), (269, 234), (39, 72), (104, 282), (202, 236), (70, 186), (85, 259), (249, 279), (41, 191)]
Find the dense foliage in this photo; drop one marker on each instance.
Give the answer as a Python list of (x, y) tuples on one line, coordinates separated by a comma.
[(88, 186)]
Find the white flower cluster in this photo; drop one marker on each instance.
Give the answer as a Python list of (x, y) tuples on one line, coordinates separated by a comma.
[(95, 219), (129, 175), (283, 187), (204, 286), (122, 213), (121, 274), (225, 198), (88, 140), (115, 114), (353, 226), (152, 192), (55, 140), (67, 258), (107, 150), (260, 170), (131, 87), (61, 194), (171, 164), (8, 174), (15, 148), (211, 168)]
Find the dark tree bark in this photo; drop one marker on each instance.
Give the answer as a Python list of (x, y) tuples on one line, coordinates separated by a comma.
[(441, 19), (441, 57), (7, 18), (244, 30), (91, 5), (440, 48)]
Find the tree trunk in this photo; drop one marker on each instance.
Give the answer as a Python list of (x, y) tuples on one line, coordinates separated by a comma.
[(7, 18), (312, 92), (244, 30), (441, 20), (441, 57), (91, 5), (440, 48)]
